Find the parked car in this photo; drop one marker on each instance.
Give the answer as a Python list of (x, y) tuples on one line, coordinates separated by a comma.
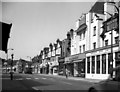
[(109, 85)]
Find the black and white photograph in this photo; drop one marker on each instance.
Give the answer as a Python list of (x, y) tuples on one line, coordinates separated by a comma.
[(59, 45)]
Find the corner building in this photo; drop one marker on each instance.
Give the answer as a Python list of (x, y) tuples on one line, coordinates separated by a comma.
[(98, 54)]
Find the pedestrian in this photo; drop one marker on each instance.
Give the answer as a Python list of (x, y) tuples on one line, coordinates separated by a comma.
[(66, 73)]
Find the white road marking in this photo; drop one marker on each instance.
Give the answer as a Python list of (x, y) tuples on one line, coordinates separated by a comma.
[(51, 79), (4, 78), (67, 83), (28, 78), (36, 78), (19, 79), (35, 88), (44, 78)]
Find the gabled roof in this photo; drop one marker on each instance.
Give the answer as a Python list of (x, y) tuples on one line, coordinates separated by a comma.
[(98, 7)]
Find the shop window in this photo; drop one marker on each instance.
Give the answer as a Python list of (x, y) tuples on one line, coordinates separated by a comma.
[(88, 64), (83, 66), (104, 64), (109, 59), (93, 64), (98, 64)]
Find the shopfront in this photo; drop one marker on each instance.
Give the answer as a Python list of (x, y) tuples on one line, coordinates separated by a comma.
[(61, 61), (98, 63), (76, 65), (53, 65)]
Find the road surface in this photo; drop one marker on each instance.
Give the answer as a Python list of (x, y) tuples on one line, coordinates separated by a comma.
[(42, 83)]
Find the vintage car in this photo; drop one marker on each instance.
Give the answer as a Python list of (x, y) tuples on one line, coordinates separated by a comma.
[(112, 84)]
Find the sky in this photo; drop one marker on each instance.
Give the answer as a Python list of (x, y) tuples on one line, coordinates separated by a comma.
[(37, 24)]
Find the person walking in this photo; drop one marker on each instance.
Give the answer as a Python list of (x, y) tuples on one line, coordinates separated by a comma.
[(66, 73)]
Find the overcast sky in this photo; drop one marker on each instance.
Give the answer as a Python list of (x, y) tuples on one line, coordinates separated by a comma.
[(37, 24)]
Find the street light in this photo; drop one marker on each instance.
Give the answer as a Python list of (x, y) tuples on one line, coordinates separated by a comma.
[(7, 57), (11, 73)]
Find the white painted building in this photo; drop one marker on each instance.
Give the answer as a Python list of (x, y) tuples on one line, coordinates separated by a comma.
[(95, 42), (98, 57)]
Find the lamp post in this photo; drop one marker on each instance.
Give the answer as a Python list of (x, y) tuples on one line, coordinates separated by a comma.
[(11, 73), (7, 56)]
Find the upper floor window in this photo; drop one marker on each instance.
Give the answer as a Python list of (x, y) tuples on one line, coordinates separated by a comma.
[(116, 40), (94, 31), (80, 49), (106, 42), (83, 48), (84, 35), (94, 45), (80, 36)]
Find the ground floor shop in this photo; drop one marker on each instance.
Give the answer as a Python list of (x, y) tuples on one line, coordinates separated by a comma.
[(53, 65), (75, 65), (79, 68), (61, 61), (98, 63)]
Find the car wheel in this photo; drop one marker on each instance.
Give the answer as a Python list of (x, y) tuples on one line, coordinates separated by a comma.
[(93, 90)]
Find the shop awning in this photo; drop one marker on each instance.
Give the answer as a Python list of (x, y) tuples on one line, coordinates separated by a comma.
[(78, 61)]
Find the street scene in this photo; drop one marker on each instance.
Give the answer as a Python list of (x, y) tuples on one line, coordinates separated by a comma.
[(71, 46)]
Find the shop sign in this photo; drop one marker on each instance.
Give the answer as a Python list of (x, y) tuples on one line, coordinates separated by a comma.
[(75, 57)]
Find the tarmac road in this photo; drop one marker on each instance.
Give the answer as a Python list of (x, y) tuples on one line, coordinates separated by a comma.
[(43, 83)]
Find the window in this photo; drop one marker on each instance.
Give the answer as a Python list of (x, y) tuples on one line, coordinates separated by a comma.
[(98, 64), (83, 48), (80, 49), (116, 40), (84, 35), (106, 42), (109, 60), (88, 64), (104, 64), (80, 36), (94, 31), (93, 64), (94, 45)]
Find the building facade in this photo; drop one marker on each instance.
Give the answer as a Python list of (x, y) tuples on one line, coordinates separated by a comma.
[(90, 50), (103, 42)]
